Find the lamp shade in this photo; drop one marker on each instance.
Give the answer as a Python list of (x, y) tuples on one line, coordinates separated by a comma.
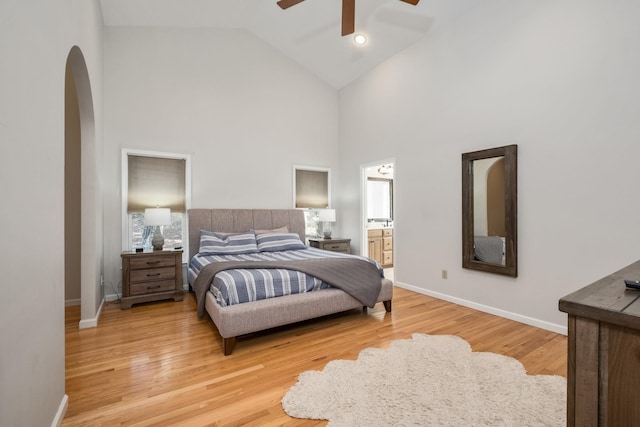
[(327, 215), (157, 216)]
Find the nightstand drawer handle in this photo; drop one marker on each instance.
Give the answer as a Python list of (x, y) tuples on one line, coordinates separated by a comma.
[(153, 287), (153, 262), (152, 275)]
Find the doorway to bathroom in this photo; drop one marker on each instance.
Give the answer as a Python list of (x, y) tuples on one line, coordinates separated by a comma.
[(378, 213)]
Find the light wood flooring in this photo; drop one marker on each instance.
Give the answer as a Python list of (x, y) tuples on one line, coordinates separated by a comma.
[(158, 364)]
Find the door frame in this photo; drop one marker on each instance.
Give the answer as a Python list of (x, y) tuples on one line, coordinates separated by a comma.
[(364, 240)]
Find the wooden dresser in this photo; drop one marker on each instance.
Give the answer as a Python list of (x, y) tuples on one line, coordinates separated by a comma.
[(603, 378), (151, 276), (334, 245), (381, 246)]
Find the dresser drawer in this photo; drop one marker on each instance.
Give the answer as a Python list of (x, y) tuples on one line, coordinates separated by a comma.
[(152, 287), (152, 274), (138, 263), (387, 232)]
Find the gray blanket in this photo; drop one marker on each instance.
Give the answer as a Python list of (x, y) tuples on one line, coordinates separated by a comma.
[(357, 277), (488, 249)]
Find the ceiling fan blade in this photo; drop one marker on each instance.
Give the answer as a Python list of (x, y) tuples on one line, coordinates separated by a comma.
[(284, 4), (348, 16), (413, 2)]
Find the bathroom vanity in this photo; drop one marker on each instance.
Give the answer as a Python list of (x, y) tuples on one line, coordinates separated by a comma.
[(381, 246)]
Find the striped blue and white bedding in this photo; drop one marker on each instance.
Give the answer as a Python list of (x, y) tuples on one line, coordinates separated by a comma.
[(244, 285)]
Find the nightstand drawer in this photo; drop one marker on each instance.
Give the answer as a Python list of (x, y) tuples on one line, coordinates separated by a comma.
[(336, 247), (152, 274), (152, 262), (333, 245), (152, 287)]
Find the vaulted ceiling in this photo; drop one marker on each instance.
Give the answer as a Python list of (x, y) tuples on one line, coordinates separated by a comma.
[(308, 33)]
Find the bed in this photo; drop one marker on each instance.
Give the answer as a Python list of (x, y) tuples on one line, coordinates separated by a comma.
[(272, 229)]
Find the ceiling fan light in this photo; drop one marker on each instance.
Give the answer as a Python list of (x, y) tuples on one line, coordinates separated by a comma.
[(360, 39)]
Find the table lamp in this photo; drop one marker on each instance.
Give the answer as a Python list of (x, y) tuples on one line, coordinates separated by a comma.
[(157, 217), (327, 216)]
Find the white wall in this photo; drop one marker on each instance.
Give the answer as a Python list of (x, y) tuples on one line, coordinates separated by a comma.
[(35, 40), (244, 112), (558, 78)]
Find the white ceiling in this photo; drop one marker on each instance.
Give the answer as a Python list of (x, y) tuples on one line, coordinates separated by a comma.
[(308, 33)]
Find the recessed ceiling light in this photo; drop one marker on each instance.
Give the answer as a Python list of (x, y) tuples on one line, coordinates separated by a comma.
[(360, 39)]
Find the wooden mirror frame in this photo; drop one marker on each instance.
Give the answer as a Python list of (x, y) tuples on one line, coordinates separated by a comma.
[(510, 267)]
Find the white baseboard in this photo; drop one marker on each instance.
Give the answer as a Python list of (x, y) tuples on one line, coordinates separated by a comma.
[(91, 323), (72, 302), (62, 410), (559, 329)]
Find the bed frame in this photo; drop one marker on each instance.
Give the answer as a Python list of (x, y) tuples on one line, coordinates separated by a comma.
[(241, 319)]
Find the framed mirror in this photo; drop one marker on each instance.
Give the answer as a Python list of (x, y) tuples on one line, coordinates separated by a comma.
[(490, 210)]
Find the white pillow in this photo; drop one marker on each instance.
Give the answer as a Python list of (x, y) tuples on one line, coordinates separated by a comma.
[(283, 229)]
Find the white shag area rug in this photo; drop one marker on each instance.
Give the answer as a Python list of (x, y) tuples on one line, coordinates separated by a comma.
[(429, 380)]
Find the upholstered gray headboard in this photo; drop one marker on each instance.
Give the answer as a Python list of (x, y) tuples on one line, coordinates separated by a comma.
[(238, 220)]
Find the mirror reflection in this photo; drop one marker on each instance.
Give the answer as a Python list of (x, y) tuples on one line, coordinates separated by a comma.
[(489, 227), (489, 210)]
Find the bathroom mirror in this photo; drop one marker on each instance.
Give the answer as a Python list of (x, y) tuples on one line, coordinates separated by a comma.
[(379, 199), (490, 210)]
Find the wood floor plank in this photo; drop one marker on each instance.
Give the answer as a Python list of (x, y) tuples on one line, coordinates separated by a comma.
[(158, 364)]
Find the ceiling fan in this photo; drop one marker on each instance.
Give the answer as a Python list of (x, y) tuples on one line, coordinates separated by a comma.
[(348, 12)]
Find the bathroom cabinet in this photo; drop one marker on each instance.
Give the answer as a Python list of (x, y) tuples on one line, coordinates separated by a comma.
[(381, 246)]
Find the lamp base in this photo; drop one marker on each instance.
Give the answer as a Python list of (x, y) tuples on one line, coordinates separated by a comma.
[(158, 239), (326, 230)]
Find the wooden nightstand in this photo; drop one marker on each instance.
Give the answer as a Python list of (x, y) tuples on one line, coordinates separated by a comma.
[(333, 245), (151, 276)]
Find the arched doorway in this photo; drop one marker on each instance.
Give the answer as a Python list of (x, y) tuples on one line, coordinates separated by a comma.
[(72, 189), (82, 218)]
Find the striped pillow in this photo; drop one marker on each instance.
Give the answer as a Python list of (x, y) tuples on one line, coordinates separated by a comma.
[(227, 243), (272, 242)]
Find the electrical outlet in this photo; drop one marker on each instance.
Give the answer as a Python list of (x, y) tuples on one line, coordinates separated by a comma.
[(444, 274), (101, 280)]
